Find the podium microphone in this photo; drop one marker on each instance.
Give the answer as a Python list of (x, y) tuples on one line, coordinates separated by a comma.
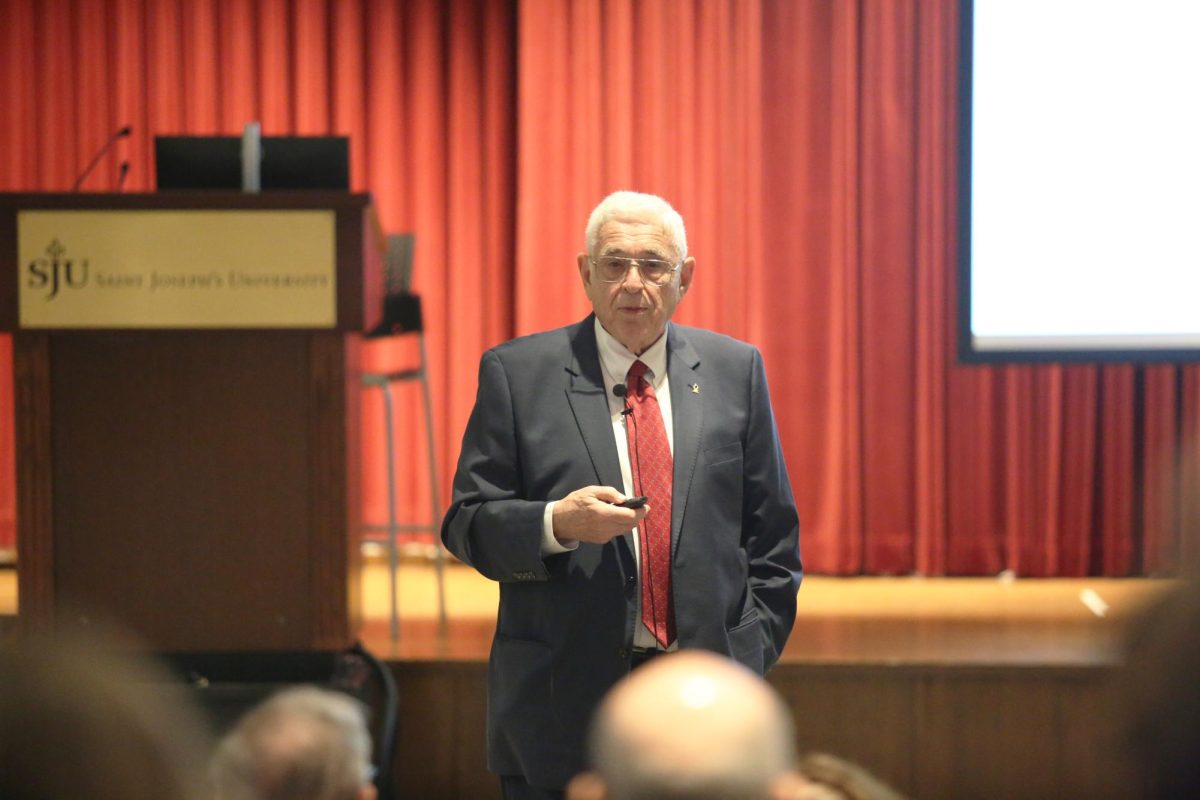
[(121, 134), (124, 174)]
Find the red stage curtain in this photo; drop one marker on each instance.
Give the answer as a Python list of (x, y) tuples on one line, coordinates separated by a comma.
[(424, 90), (808, 143)]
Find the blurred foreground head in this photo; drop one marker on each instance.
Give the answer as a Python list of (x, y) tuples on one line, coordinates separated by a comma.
[(83, 720), (303, 743), (691, 725), (698, 726), (1160, 686)]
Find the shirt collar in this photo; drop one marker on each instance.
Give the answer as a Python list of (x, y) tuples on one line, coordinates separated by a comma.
[(616, 359)]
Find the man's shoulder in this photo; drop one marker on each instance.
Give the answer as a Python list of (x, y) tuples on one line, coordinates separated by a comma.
[(711, 343), (535, 348)]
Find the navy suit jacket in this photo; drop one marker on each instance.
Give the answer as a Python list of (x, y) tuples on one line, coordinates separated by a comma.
[(541, 428)]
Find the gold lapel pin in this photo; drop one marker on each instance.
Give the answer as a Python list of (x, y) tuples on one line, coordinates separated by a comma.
[(695, 388)]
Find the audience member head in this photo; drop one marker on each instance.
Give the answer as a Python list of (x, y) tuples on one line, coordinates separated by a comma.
[(1161, 692), (690, 725), (831, 778), (81, 720), (301, 744)]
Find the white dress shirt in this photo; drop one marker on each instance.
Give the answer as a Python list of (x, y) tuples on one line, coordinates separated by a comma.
[(615, 361)]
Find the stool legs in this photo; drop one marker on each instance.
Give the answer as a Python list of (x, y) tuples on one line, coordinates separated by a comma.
[(384, 382), (434, 494), (393, 532)]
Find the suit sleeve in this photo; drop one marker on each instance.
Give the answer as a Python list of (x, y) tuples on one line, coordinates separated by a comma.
[(490, 525), (770, 524)]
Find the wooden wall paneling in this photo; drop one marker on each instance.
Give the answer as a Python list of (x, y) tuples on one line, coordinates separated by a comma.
[(182, 486), (1094, 762), (862, 714), (472, 777), (440, 749), (932, 731), (424, 759), (35, 500), (333, 480), (985, 735), (1014, 733)]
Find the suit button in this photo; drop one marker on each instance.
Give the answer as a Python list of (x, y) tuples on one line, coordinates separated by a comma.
[(623, 654), (631, 580)]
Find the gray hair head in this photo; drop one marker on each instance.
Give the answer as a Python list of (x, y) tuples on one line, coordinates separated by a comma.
[(303, 743), (624, 205)]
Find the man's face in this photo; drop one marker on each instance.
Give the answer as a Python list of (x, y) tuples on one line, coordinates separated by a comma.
[(634, 310)]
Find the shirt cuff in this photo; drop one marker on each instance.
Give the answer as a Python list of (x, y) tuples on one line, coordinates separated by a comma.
[(551, 545)]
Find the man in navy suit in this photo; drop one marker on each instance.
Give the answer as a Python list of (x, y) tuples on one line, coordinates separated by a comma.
[(567, 426)]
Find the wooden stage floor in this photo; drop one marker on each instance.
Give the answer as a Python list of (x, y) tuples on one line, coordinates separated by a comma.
[(880, 620), (839, 620)]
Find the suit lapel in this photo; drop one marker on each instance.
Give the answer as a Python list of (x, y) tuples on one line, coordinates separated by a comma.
[(687, 413), (589, 404)]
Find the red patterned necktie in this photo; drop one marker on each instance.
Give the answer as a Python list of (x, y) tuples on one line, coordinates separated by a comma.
[(651, 465)]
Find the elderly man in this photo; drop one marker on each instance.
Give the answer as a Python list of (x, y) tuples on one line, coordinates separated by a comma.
[(303, 743), (622, 478)]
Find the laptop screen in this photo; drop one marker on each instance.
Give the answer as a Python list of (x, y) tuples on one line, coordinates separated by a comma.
[(289, 163)]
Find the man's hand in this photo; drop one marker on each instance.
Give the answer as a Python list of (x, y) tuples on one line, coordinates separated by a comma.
[(588, 515)]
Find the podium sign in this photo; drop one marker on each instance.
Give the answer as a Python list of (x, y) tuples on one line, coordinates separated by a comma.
[(176, 269)]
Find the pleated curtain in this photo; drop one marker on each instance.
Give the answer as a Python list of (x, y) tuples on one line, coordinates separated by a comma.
[(809, 144)]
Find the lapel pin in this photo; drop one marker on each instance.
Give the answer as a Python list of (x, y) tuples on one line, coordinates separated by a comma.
[(695, 388)]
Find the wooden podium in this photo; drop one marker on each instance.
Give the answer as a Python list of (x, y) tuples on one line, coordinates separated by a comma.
[(190, 470)]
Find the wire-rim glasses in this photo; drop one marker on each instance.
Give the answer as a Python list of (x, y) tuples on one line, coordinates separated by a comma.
[(613, 269)]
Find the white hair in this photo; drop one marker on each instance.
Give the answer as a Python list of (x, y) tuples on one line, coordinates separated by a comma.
[(303, 743), (625, 204)]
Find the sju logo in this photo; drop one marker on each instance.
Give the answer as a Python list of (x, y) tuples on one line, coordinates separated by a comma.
[(54, 272)]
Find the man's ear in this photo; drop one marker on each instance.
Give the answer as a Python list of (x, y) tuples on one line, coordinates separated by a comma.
[(685, 274), (367, 792), (585, 268), (586, 786)]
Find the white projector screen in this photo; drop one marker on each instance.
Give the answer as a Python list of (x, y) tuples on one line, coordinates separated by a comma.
[(1079, 196)]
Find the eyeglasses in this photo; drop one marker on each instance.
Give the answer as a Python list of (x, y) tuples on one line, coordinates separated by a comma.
[(613, 269)]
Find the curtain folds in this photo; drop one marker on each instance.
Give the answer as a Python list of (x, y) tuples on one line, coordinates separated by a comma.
[(424, 89), (809, 144)]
